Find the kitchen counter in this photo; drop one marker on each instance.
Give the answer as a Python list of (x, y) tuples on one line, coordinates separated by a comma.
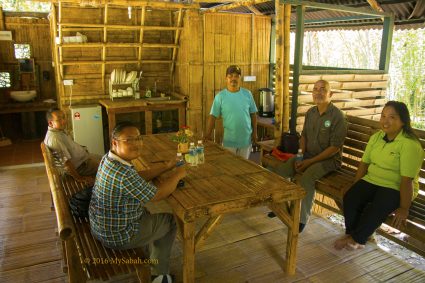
[(19, 107), (120, 106)]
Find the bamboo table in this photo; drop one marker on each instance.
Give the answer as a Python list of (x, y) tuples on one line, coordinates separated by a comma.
[(225, 184)]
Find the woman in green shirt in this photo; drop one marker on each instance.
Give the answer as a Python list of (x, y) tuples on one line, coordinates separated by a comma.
[(386, 180)]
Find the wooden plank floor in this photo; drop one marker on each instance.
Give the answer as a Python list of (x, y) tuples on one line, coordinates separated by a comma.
[(246, 247)]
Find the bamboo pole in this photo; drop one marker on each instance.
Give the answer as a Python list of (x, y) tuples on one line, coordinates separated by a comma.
[(105, 37), (176, 41), (279, 74), (142, 23), (251, 65), (286, 71), (2, 26), (60, 40), (53, 25)]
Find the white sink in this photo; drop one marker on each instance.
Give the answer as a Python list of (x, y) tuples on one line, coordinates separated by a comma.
[(23, 95)]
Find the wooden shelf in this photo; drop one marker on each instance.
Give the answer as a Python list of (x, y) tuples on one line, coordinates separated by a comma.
[(73, 63), (112, 44), (125, 27), (90, 62)]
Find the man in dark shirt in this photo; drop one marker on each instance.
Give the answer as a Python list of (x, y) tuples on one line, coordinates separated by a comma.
[(323, 135)]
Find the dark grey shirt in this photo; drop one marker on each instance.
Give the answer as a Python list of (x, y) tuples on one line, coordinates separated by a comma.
[(323, 131)]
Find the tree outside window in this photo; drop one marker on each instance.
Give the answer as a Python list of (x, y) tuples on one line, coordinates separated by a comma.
[(5, 80)]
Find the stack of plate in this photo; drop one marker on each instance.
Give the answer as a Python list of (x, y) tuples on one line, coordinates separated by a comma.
[(119, 76)]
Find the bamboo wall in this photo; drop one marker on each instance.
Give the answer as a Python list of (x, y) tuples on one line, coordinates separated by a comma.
[(144, 42), (209, 44), (361, 95), (35, 32)]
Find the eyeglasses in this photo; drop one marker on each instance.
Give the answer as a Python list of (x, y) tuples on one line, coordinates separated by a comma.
[(131, 139)]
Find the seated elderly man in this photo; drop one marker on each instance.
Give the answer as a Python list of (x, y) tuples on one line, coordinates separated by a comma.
[(117, 214), (322, 138), (74, 158)]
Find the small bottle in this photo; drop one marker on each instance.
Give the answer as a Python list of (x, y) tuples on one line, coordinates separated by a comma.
[(179, 159), (193, 156), (200, 152), (148, 93), (299, 156), (180, 162)]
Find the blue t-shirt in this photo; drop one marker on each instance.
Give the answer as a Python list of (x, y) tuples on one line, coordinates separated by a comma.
[(236, 109)]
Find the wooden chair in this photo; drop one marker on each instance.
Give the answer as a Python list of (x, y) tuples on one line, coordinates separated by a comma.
[(85, 258), (335, 184)]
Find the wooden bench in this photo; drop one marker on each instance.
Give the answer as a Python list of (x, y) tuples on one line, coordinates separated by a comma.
[(335, 184), (85, 258)]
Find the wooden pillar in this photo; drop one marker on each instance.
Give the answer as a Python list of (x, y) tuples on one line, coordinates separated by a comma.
[(2, 25), (279, 94), (298, 64), (286, 71)]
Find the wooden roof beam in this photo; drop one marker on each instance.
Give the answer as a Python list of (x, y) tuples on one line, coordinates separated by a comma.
[(375, 5), (254, 10), (132, 3), (233, 5)]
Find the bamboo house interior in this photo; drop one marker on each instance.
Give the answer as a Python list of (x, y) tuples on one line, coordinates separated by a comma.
[(161, 63)]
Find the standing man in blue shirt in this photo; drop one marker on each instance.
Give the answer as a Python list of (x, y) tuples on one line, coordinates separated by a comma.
[(237, 108)]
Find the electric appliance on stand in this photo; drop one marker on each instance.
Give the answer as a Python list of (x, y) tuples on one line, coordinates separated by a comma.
[(88, 127), (266, 108)]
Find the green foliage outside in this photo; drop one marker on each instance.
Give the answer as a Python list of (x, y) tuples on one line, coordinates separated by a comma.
[(24, 6), (361, 49)]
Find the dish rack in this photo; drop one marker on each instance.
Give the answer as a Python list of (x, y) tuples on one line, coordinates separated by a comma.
[(123, 84), (118, 91)]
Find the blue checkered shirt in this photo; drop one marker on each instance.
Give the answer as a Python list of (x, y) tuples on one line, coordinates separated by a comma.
[(117, 202)]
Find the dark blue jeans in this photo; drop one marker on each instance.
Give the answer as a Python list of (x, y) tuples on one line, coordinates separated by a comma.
[(366, 206)]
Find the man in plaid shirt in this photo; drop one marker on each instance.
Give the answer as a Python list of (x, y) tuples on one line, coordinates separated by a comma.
[(117, 214)]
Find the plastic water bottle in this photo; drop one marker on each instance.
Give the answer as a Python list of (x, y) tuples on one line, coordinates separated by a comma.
[(179, 159), (193, 156), (299, 156), (200, 152), (180, 162)]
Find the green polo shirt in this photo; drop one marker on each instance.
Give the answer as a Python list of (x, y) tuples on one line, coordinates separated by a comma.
[(321, 131), (388, 161)]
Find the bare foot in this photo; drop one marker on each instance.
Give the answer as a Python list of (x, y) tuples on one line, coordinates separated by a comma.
[(340, 243), (352, 245)]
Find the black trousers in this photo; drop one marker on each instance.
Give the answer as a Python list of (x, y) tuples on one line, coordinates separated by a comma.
[(366, 206)]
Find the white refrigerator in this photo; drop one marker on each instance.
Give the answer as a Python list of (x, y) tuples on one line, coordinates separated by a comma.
[(88, 128)]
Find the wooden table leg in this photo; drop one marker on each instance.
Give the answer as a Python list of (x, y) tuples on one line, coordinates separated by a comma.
[(207, 229), (111, 122), (292, 241), (148, 122), (188, 252), (182, 116)]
